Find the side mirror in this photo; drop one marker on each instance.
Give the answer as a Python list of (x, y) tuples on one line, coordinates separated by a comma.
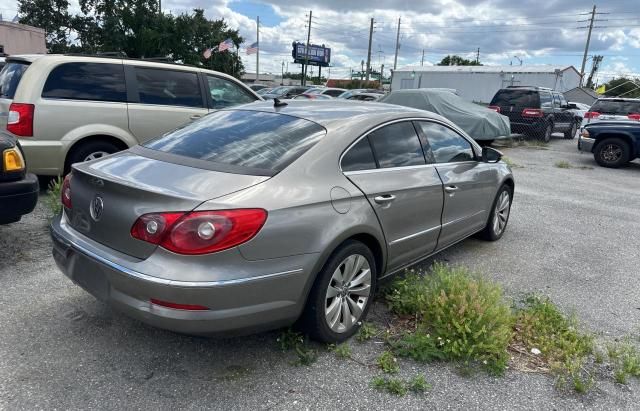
[(491, 155)]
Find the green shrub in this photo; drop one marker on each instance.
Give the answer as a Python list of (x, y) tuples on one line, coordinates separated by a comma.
[(625, 359), (461, 317), (388, 363), (53, 202)]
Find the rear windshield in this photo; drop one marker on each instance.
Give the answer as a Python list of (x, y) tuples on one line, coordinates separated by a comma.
[(252, 139), (520, 98), (10, 77), (620, 107)]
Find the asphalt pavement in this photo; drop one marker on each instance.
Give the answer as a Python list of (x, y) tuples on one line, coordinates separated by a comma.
[(573, 236)]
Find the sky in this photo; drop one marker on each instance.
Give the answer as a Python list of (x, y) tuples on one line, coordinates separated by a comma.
[(505, 31)]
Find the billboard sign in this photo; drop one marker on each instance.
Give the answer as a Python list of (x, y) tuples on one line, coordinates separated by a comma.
[(317, 56)]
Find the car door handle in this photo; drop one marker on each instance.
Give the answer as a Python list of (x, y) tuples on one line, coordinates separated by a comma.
[(195, 116), (451, 189), (384, 199)]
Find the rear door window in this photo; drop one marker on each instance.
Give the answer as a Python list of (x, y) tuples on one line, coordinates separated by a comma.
[(446, 145), (10, 78), (86, 81), (616, 107), (243, 138), (515, 97), (545, 99), (225, 93), (168, 87), (397, 145)]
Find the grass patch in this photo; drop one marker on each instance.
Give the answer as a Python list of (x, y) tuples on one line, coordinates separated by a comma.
[(419, 384), (341, 350), (625, 359), (388, 363), (399, 387), (290, 340), (366, 332), (563, 164), (53, 201), (511, 163), (459, 317)]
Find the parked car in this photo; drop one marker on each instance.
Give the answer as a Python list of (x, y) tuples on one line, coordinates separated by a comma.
[(328, 91), (354, 91), (285, 92), (18, 189), (68, 109), (264, 91), (479, 122), (256, 216), (366, 97), (310, 96), (578, 109), (613, 143), (258, 87), (612, 109), (536, 112)]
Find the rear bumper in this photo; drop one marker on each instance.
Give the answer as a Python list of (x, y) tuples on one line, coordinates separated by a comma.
[(238, 306), (44, 157), (18, 198)]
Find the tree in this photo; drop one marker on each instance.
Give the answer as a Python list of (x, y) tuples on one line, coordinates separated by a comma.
[(624, 87), (457, 61), (52, 16)]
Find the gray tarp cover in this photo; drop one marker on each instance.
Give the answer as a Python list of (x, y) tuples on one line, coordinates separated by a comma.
[(479, 122)]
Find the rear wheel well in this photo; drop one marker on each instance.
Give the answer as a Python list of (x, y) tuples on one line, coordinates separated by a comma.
[(372, 243), (624, 137), (509, 182), (121, 145)]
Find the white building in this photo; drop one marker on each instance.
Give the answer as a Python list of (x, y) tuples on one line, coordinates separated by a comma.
[(21, 39), (480, 83)]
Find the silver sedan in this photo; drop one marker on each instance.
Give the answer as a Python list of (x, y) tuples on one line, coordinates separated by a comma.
[(255, 217)]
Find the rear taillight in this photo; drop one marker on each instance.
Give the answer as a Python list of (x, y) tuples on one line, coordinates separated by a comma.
[(634, 116), (199, 232), (65, 192), (494, 108), (20, 120), (591, 114), (532, 112)]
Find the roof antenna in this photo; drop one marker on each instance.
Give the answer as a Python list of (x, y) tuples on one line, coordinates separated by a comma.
[(278, 103)]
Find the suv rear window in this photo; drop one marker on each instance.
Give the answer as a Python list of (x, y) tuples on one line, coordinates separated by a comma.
[(252, 139), (86, 81), (515, 97), (620, 107), (10, 78)]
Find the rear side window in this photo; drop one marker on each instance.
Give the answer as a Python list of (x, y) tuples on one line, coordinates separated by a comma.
[(225, 93), (620, 107), (397, 145), (10, 78), (515, 97), (359, 157), (252, 139), (86, 81), (545, 99), (168, 87)]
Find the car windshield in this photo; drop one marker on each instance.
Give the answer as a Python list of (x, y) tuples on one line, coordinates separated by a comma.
[(279, 90), (252, 139), (619, 107), (10, 78), (520, 98)]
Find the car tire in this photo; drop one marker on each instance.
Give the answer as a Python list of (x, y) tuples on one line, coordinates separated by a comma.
[(571, 133), (612, 152), (500, 212), (90, 150), (352, 308), (545, 133)]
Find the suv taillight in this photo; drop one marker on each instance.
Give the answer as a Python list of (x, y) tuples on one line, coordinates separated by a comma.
[(494, 108), (591, 114), (532, 112), (199, 232), (65, 192), (634, 116), (20, 121)]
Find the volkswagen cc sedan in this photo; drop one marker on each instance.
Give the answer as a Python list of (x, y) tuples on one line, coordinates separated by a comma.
[(255, 217)]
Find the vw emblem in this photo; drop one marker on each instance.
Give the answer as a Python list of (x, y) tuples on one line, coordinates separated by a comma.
[(96, 208)]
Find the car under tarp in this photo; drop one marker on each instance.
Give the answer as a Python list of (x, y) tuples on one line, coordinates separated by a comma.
[(478, 122)]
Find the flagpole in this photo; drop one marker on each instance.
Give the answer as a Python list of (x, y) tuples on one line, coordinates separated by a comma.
[(258, 50)]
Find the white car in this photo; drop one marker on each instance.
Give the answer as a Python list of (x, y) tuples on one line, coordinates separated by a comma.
[(617, 109)]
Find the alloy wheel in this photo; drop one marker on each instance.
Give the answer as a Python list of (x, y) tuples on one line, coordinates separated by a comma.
[(611, 153), (348, 293), (501, 212), (95, 155)]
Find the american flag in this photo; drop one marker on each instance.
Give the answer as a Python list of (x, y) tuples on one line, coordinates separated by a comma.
[(252, 49), (225, 45), (207, 53)]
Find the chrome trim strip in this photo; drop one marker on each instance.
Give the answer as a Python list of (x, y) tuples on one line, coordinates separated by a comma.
[(457, 220), (416, 167), (162, 281), (414, 235)]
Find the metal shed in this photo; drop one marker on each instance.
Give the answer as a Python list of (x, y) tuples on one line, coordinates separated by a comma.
[(480, 83)]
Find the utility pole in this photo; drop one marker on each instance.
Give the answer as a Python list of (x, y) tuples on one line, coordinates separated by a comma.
[(381, 76), (395, 59), (422, 59), (591, 26), (306, 52), (478, 56), (369, 51), (282, 75), (258, 49)]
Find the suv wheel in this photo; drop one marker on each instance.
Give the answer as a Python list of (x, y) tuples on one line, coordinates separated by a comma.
[(90, 150), (571, 133), (612, 153), (545, 135), (342, 294)]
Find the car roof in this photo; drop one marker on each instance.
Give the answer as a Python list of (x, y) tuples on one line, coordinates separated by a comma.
[(618, 99)]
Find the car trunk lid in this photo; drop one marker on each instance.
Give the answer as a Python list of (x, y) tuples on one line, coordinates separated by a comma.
[(110, 194), (10, 76)]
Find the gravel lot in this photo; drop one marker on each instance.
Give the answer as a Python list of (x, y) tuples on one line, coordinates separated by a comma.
[(573, 235)]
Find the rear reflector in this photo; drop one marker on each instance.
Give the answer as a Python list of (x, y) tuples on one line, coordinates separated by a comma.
[(634, 116), (494, 108), (176, 306), (20, 120), (65, 192), (532, 112), (591, 114), (199, 232)]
